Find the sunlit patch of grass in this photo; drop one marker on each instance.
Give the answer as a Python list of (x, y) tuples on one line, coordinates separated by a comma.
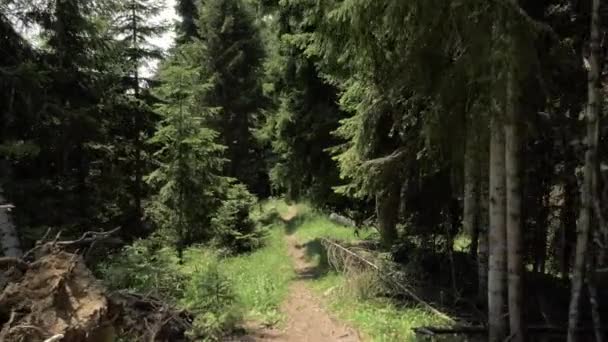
[(376, 318), (316, 225), (462, 243), (260, 279)]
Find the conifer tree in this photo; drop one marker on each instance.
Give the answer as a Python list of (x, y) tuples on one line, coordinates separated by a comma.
[(232, 55), (134, 23), (187, 28), (299, 126), (189, 160)]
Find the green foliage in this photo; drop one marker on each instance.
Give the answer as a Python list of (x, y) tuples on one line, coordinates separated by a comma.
[(232, 225), (144, 268), (298, 126), (317, 225), (231, 53), (210, 296), (261, 279), (189, 173)]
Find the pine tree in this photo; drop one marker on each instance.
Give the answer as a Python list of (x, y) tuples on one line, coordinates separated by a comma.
[(134, 23), (232, 57), (189, 160), (299, 126), (187, 27)]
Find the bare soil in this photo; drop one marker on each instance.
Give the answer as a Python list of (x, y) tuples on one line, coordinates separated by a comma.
[(307, 319)]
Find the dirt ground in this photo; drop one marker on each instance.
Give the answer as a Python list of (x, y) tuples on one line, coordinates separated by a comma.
[(307, 320)]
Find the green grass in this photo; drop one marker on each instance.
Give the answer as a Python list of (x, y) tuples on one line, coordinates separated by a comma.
[(377, 319), (260, 280), (313, 225)]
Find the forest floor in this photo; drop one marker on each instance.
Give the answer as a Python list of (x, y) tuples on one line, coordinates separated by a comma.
[(305, 315)]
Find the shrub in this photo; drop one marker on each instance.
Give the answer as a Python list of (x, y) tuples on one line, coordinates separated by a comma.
[(233, 227), (143, 268), (210, 296)]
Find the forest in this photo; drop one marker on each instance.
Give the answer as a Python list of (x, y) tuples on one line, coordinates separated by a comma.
[(303, 170)]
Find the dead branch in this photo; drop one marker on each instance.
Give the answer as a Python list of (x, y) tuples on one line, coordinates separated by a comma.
[(87, 238), (391, 158), (8, 262), (7, 326), (55, 338), (390, 280)]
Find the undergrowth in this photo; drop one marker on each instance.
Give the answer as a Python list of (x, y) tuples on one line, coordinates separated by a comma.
[(379, 319), (221, 291)]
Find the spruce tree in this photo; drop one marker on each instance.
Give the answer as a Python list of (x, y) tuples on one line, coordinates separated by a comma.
[(187, 28), (299, 126), (134, 23), (189, 159), (232, 56)]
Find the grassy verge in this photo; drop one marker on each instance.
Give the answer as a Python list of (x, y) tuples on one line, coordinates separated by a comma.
[(260, 280), (377, 319)]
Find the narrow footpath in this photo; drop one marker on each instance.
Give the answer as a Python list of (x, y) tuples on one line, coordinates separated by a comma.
[(306, 318)]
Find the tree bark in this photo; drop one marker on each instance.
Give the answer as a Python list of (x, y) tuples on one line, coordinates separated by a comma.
[(497, 235), (593, 298), (8, 233), (584, 221), (568, 219), (387, 211), (470, 217), (513, 210), (482, 249)]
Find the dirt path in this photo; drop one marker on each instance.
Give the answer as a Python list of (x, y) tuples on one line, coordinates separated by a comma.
[(307, 320)]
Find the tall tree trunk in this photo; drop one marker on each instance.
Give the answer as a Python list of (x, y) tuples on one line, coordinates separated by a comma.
[(8, 233), (497, 235), (593, 297), (513, 211), (387, 211), (568, 219), (584, 221), (540, 233), (137, 193), (482, 249), (470, 217)]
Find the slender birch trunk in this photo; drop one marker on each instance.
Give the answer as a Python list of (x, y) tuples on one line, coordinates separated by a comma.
[(497, 235), (513, 210), (8, 233), (593, 297), (584, 221)]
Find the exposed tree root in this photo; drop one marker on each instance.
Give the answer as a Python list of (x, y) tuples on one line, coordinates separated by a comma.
[(55, 297)]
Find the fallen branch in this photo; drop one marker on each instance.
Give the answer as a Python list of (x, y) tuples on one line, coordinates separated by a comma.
[(88, 237), (391, 280), (393, 157), (55, 338)]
